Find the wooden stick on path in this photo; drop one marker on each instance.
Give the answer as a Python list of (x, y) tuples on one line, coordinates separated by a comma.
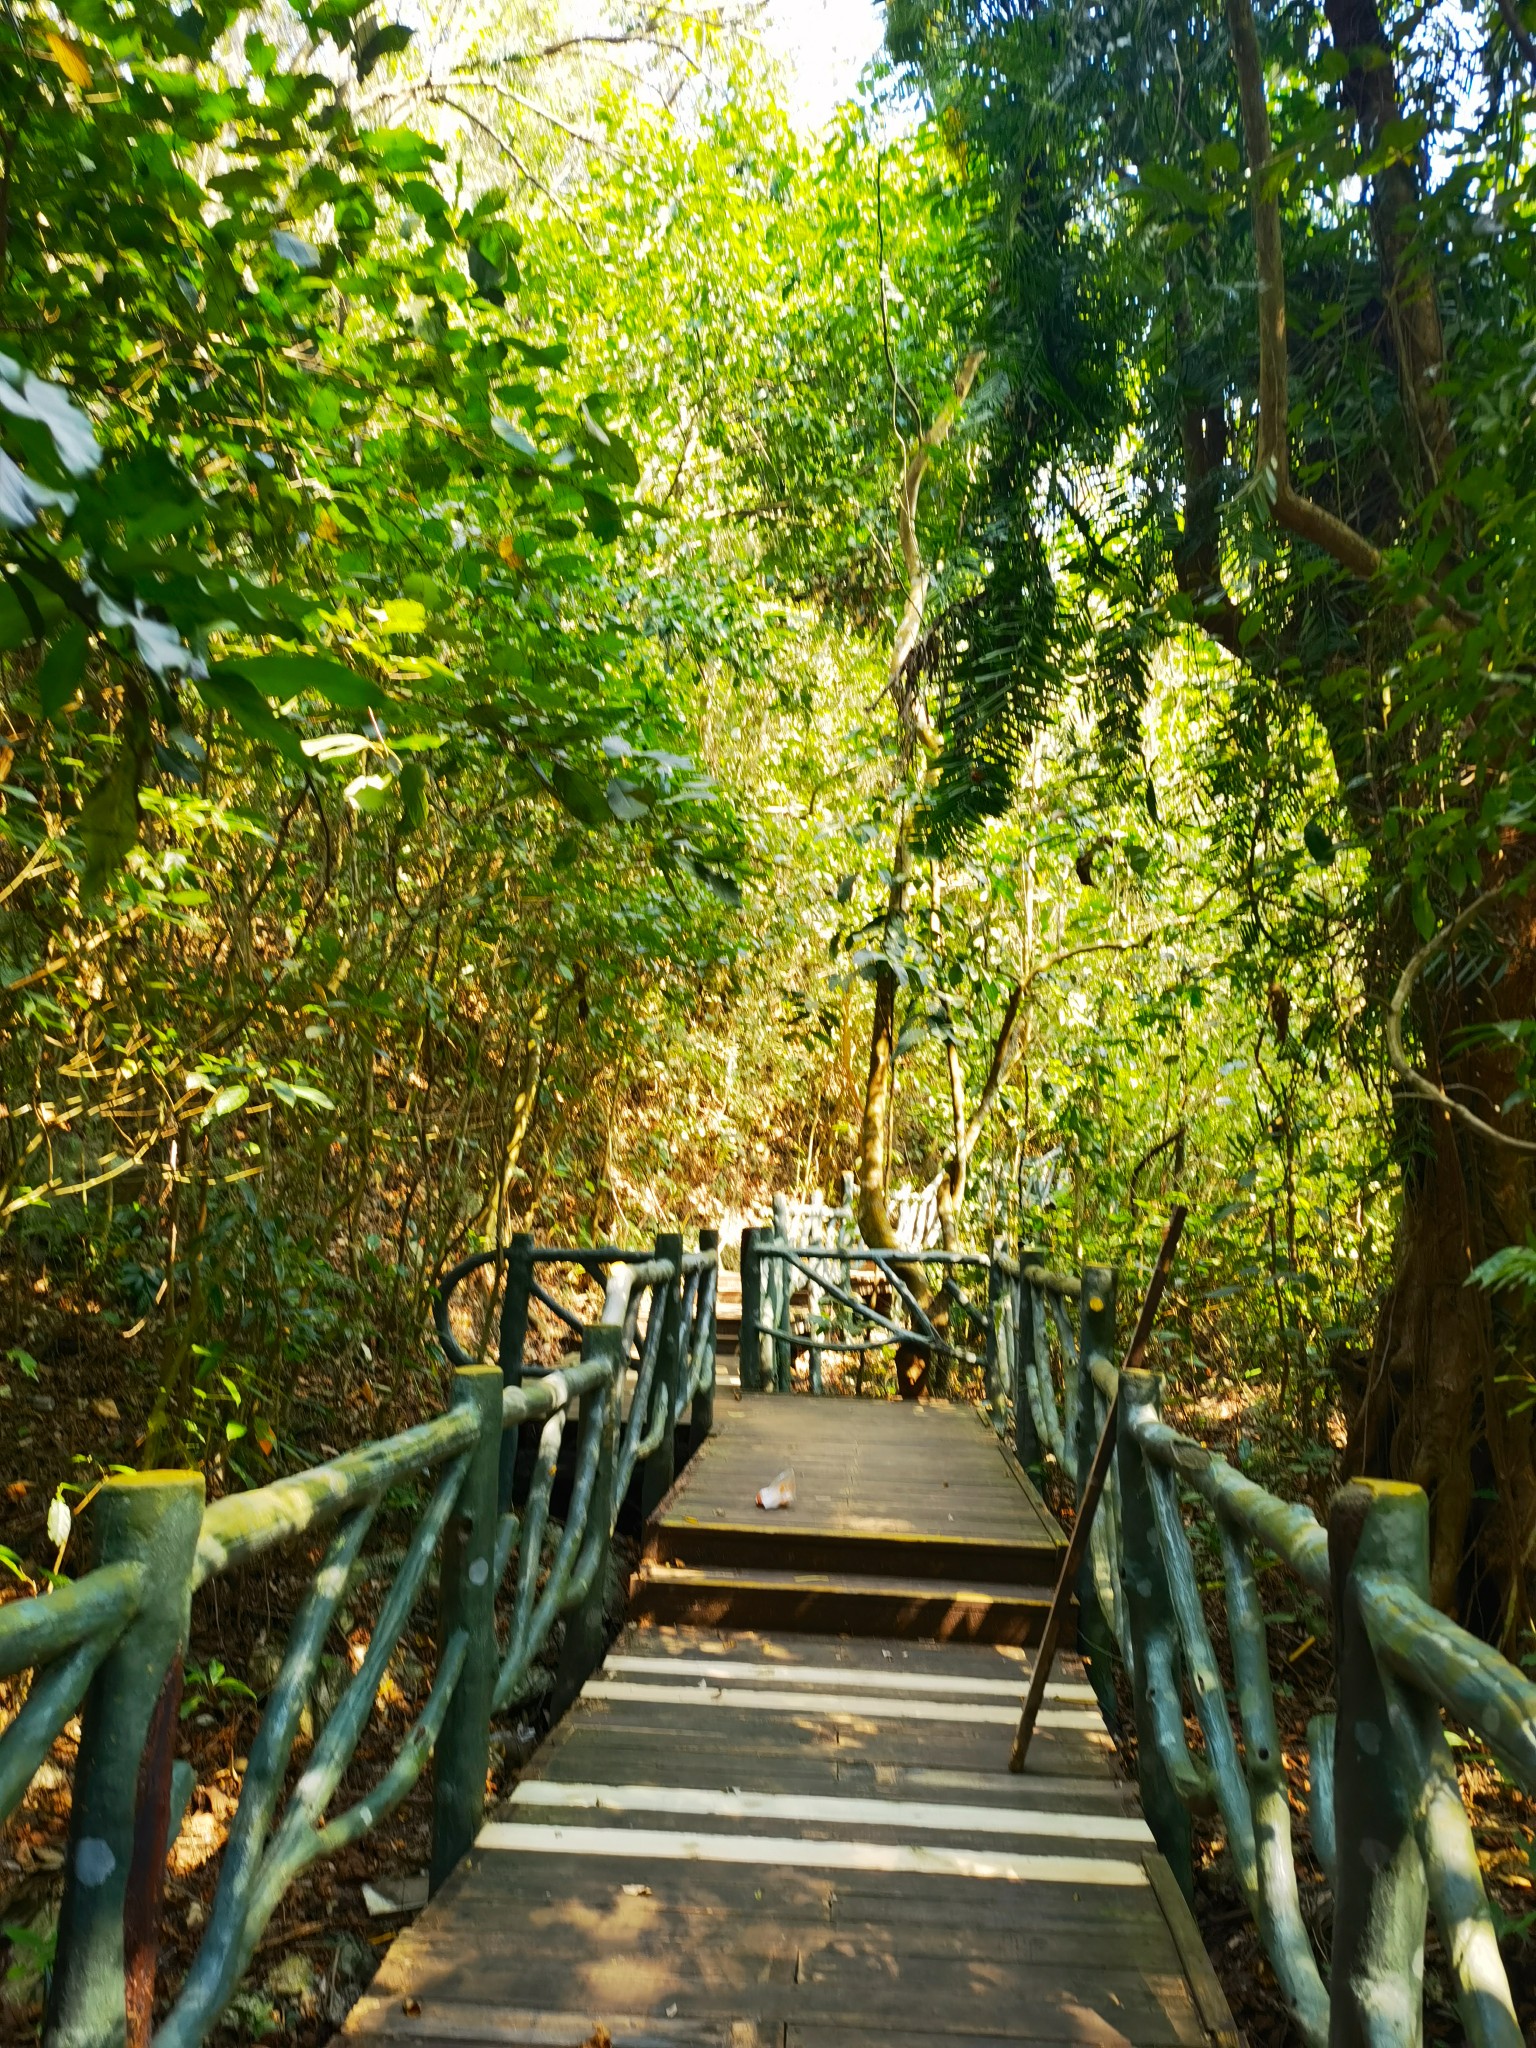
[(1093, 1487)]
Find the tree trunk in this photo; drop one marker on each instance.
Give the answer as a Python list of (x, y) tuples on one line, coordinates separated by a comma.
[(1443, 1404)]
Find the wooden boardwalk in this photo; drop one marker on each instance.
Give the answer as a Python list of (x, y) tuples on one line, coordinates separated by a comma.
[(743, 1836), (910, 1520)]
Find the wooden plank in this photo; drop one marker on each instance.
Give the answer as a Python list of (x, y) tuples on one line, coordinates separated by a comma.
[(1004, 1557), (948, 1683), (702, 1697), (827, 1811), (743, 1835), (637, 1846), (866, 1605), (1203, 1981), (442, 2024)]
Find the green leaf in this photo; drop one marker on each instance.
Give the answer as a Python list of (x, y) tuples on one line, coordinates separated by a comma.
[(426, 591), (623, 802), (580, 794), (228, 690), (718, 883), (400, 150), (60, 670), (369, 792), (291, 675), (514, 437), (1318, 843), (413, 796), (291, 1093), (225, 1103), (384, 42), (295, 250)]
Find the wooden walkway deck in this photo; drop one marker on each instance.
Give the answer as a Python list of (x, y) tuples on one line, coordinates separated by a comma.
[(743, 1836), (910, 1520)]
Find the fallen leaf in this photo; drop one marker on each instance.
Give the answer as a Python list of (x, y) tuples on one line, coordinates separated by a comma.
[(17, 1490), (411, 2007), (106, 1408), (637, 1891)]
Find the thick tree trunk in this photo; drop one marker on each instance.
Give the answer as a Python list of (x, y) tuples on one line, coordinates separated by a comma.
[(1444, 1402)]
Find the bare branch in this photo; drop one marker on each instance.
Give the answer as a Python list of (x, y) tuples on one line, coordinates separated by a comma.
[(439, 96), (469, 80), (1519, 34), (1407, 1073)]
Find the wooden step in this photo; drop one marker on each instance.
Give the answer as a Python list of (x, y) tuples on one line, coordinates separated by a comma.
[(903, 1609), (782, 1543)]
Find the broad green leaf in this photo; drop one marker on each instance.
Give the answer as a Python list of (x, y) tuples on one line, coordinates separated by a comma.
[(291, 675), (60, 670), (225, 1103), (623, 801), (580, 794), (369, 792), (231, 691), (413, 795), (388, 41), (295, 250)]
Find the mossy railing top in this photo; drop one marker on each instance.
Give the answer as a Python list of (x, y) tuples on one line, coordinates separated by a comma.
[(116, 1638), (1388, 1824)]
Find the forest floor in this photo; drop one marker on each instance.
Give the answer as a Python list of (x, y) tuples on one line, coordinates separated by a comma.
[(325, 1941)]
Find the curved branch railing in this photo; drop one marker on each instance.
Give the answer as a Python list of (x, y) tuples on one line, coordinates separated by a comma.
[(774, 1334), (1388, 1824), (115, 1639)]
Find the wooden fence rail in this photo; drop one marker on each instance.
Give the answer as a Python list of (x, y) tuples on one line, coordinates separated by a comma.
[(1387, 1821), (1388, 1825), (116, 1638)]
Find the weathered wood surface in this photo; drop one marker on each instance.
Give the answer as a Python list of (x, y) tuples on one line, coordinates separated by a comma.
[(909, 1521), (762, 1840), (742, 1838)]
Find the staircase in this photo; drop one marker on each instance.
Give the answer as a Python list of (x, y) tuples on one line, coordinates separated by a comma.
[(951, 1545)]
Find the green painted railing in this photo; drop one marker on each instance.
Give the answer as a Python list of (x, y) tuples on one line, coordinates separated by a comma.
[(1388, 1824), (115, 1638), (839, 1321)]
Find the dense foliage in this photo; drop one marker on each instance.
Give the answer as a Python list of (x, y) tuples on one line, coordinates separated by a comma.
[(572, 655)]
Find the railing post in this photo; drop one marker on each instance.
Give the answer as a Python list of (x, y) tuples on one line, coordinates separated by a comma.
[(783, 1278), (519, 1447), (585, 1632), (998, 1285), (1152, 1628), (701, 1419), (104, 1974), (1380, 1895), (467, 1600), (1026, 1438), (1095, 1337), (657, 1473), (751, 1362)]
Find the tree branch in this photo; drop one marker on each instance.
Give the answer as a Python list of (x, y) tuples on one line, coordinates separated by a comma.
[(1272, 464), (1519, 34), (1407, 1073), (933, 436)]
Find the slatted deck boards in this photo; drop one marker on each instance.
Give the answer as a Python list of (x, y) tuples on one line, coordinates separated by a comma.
[(742, 1838), (910, 1521)]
